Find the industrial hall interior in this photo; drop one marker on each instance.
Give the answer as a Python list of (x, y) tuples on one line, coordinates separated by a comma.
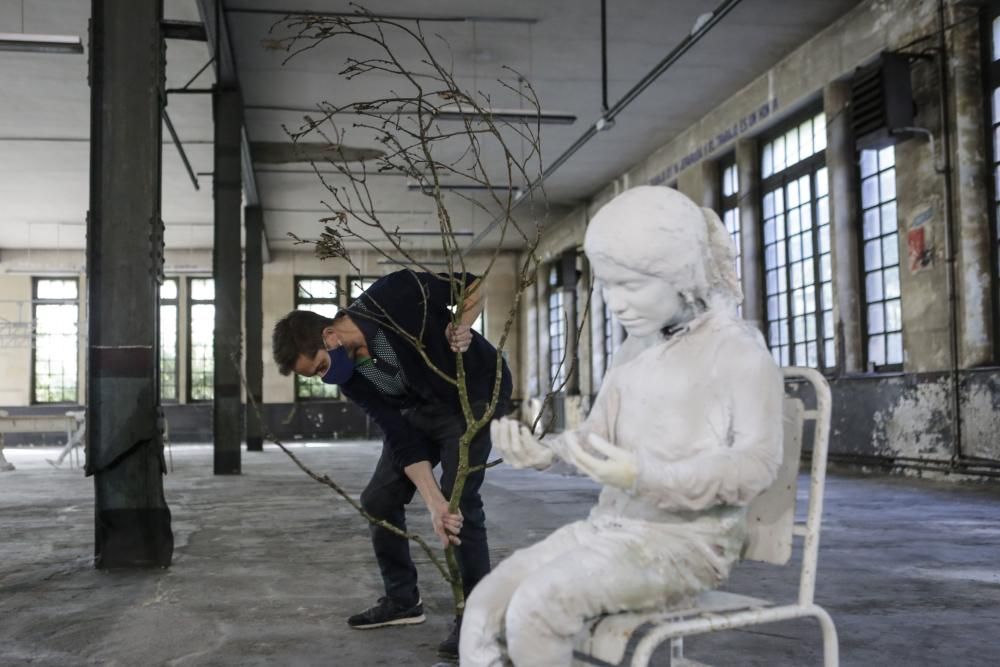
[(590, 333)]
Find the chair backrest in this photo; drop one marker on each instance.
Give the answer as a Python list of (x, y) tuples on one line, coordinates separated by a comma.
[(771, 515), (768, 504)]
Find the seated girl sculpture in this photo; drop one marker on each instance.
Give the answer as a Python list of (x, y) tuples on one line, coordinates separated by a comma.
[(685, 432)]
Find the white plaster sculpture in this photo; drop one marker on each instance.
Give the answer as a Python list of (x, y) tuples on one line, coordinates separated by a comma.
[(685, 431)]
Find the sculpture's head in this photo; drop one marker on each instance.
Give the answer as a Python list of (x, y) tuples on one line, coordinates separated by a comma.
[(661, 259)]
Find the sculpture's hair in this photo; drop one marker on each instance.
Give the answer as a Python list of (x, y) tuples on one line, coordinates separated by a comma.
[(659, 231), (720, 264)]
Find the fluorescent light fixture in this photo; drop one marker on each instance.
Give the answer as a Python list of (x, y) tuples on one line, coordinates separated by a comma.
[(456, 112), (416, 187), (422, 232), (16, 41), (446, 112), (71, 272), (405, 262)]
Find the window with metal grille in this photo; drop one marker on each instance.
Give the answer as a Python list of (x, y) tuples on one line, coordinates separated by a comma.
[(168, 340), (321, 296), (557, 330), (201, 339), (797, 262), (880, 253), (56, 313), (731, 212), (731, 207)]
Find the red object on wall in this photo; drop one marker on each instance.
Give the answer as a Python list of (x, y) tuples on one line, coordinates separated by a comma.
[(917, 245)]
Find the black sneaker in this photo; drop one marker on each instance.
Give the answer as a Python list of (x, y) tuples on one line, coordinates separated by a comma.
[(387, 612), (449, 647)]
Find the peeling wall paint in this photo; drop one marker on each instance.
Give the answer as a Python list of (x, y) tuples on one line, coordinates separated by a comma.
[(909, 415), (981, 416), (907, 427)]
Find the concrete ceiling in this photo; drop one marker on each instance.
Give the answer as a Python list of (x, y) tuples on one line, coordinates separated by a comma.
[(44, 122), (45, 130)]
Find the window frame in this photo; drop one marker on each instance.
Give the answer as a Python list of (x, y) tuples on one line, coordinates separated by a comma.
[(176, 302), (337, 301), (731, 202), (191, 302), (554, 287), (351, 279), (779, 181), (35, 302), (863, 269)]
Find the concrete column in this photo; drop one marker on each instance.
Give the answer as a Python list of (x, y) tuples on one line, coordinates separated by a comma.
[(711, 188), (701, 184), (841, 164), (748, 168), (227, 270), (124, 265), (970, 197), (183, 339), (254, 316)]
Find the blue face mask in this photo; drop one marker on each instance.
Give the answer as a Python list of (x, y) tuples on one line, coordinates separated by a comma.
[(341, 367)]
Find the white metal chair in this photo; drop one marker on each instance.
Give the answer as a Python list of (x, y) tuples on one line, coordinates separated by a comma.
[(630, 639)]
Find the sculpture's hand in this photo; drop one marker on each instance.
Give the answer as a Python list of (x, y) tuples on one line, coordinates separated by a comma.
[(518, 446), (617, 467)]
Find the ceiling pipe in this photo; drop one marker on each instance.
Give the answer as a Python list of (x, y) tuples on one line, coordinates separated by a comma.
[(388, 17), (702, 27), (604, 56)]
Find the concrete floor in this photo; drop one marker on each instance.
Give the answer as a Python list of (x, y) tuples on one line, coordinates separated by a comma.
[(268, 565)]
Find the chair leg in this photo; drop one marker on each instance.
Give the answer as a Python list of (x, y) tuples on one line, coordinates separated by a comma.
[(676, 649), (831, 647)]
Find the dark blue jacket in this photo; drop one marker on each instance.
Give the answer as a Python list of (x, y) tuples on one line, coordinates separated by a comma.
[(418, 304)]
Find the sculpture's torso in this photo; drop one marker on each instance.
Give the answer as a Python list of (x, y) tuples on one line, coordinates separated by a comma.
[(673, 398)]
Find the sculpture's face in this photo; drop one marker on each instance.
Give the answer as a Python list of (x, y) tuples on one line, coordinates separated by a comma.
[(644, 304)]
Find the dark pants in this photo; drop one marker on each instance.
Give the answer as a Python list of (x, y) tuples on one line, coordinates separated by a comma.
[(390, 490)]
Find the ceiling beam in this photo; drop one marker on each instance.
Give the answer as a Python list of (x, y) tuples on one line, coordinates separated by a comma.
[(220, 44), (193, 31)]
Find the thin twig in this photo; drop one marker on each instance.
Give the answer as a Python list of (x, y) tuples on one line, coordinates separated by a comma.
[(325, 479)]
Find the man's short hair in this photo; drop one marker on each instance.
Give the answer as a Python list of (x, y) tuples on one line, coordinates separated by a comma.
[(298, 333)]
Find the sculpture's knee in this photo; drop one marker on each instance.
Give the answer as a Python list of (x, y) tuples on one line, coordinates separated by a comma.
[(482, 622)]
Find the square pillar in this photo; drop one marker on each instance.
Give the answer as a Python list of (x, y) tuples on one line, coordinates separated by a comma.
[(227, 268), (124, 270)]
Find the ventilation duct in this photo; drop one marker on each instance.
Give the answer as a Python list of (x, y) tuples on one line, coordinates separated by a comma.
[(882, 102)]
